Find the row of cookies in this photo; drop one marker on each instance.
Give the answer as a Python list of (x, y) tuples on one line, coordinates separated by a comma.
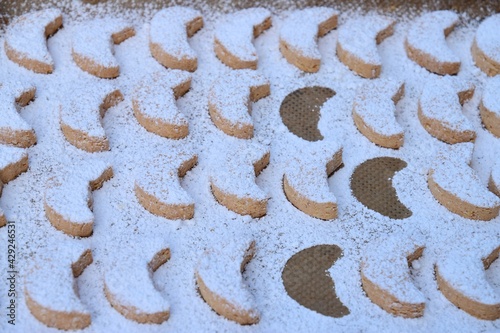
[(170, 28)]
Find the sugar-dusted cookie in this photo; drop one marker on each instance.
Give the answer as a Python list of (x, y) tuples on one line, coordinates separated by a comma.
[(153, 102), (299, 34), (305, 179), (357, 44), (168, 37), (234, 35), (220, 282), (81, 115), (494, 181), (490, 106), (440, 110), (386, 279), (13, 129), (229, 101), (426, 44), (26, 39), (233, 175), (137, 298), (486, 46), (374, 112), (50, 290), (13, 162), (92, 47), (460, 275), (68, 196), (158, 188), (456, 186)]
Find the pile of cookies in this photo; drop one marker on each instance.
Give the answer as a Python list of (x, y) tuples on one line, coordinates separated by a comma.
[(155, 169)]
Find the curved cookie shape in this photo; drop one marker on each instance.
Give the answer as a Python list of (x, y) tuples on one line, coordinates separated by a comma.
[(92, 47), (13, 129), (306, 280), (457, 187), (168, 37), (50, 289), (494, 181), (235, 33), (26, 39), (440, 111), (357, 44), (80, 119), (299, 35), (227, 294), (490, 106), (68, 198), (305, 179), (138, 299), (159, 190), (13, 162), (486, 46), (233, 179), (374, 112), (461, 279), (371, 184), (426, 45), (300, 111), (386, 279), (153, 102), (229, 101)]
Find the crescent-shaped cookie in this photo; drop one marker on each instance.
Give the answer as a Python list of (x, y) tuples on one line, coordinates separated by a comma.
[(68, 197), (299, 35), (229, 101), (26, 39), (92, 47), (227, 293), (357, 44), (374, 112), (234, 35), (486, 46), (168, 37), (426, 45), (490, 106), (138, 299)]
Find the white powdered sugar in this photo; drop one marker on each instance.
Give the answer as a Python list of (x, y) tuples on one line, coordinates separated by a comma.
[(488, 39), (10, 155), (300, 30), (358, 37), (235, 32), (26, 35), (168, 31), (490, 98), (426, 34), (375, 105), (11, 89), (122, 226)]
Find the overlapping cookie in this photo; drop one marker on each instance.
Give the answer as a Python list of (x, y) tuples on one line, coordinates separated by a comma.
[(220, 282), (26, 39), (486, 46), (490, 106), (229, 101), (299, 34), (234, 35), (168, 37)]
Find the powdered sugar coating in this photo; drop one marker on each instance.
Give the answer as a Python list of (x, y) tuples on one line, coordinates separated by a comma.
[(463, 182), (490, 98), (236, 32), (359, 37), (386, 265), (230, 97), (26, 37), (10, 155), (375, 105), (487, 38), (300, 30), (426, 35), (168, 31), (93, 43), (221, 272)]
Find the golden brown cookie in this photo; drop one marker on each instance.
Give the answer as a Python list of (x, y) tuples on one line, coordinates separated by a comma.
[(486, 45)]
